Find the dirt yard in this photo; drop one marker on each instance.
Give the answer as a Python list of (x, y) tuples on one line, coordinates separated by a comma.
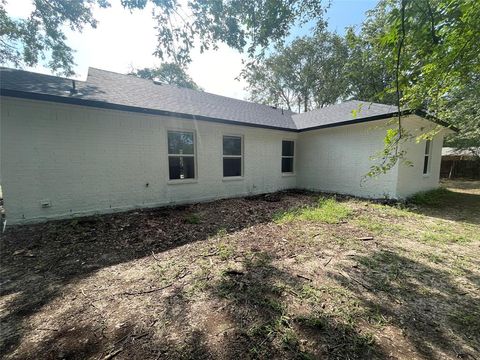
[(285, 276)]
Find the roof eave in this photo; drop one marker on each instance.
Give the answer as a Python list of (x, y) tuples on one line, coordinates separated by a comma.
[(424, 114), (128, 108), (420, 113), (351, 122)]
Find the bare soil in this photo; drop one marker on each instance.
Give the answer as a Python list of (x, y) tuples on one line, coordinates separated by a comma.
[(225, 280)]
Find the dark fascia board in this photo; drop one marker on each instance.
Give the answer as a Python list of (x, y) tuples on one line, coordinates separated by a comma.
[(111, 106), (436, 120), (351, 122), (420, 113)]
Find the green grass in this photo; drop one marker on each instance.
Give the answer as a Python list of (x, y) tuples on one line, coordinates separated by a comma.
[(312, 321), (370, 224), (398, 210), (221, 232), (441, 233), (326, 210), (192, 219), (225, 251), (469, 322), (430, 198)]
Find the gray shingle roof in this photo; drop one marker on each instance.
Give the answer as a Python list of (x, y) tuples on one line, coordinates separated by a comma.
[(338, 113), (107, 87)]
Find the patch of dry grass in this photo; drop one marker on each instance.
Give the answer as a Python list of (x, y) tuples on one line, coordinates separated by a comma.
[(283, 276)]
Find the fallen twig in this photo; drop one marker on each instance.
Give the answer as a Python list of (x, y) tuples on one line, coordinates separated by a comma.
[(365, 238), (211, 254), (361, 283), (113, 354), (328, 261), (348, 277), (233, 272), (147, 291), (153, 255), (304, 277), (136, 337)]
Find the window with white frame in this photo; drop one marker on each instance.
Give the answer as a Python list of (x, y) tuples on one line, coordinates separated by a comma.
[(232, 156), (288, 156), (181, 155), (427, 157)]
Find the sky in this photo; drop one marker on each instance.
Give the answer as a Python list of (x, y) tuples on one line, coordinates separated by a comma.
[(124, 40)]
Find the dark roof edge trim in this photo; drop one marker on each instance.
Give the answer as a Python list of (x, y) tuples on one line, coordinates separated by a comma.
[(351, 122), (436, 120), (147, 111), (420, 113), (111, 106)]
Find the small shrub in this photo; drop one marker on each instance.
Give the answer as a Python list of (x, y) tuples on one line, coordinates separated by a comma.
[(290, 338), (221, 232), (430, 198), (225, 251), (313, 322), (192, 219)]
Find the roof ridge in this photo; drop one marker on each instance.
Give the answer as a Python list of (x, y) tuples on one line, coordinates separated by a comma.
[(41, 74), (193, 90)]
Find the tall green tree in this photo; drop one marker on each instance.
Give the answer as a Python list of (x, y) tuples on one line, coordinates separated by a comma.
[(168, 73), (307, 73), (432, 48), (41, 36), (463, 111), (366, 72), (246, 25)]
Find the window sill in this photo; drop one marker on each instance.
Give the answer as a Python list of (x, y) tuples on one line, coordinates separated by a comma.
[(233, 178), (426, 175), (288, 174), (182, 181)]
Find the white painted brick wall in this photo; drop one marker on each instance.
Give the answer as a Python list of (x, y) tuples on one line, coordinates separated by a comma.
[(87, 160), (336, 160), (411, 178)]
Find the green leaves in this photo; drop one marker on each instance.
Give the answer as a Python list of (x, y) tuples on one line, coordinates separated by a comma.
[(246, 25), (40, 37), (439, 64), (168, 73), (308, 73)]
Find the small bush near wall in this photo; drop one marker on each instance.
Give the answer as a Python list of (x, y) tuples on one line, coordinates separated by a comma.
[(430, 198)]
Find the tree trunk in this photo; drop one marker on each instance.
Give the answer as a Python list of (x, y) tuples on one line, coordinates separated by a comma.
[(451, 169)]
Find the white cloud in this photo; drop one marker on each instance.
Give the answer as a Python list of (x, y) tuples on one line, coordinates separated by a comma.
[(125, 39)]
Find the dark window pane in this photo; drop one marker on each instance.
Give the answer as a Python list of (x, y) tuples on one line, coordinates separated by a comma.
[(232, 145), (287, 148), (181, 167), (180, 142), (425, 165), (232, 167), (287, 165), (427, 147)]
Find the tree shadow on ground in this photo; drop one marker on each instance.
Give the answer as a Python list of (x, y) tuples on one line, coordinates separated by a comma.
[(433, 311), (452, 206), (267, 325), (39, 261), (254, 321)]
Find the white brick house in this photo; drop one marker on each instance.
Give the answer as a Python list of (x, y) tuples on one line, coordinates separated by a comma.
[(116, 142)]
